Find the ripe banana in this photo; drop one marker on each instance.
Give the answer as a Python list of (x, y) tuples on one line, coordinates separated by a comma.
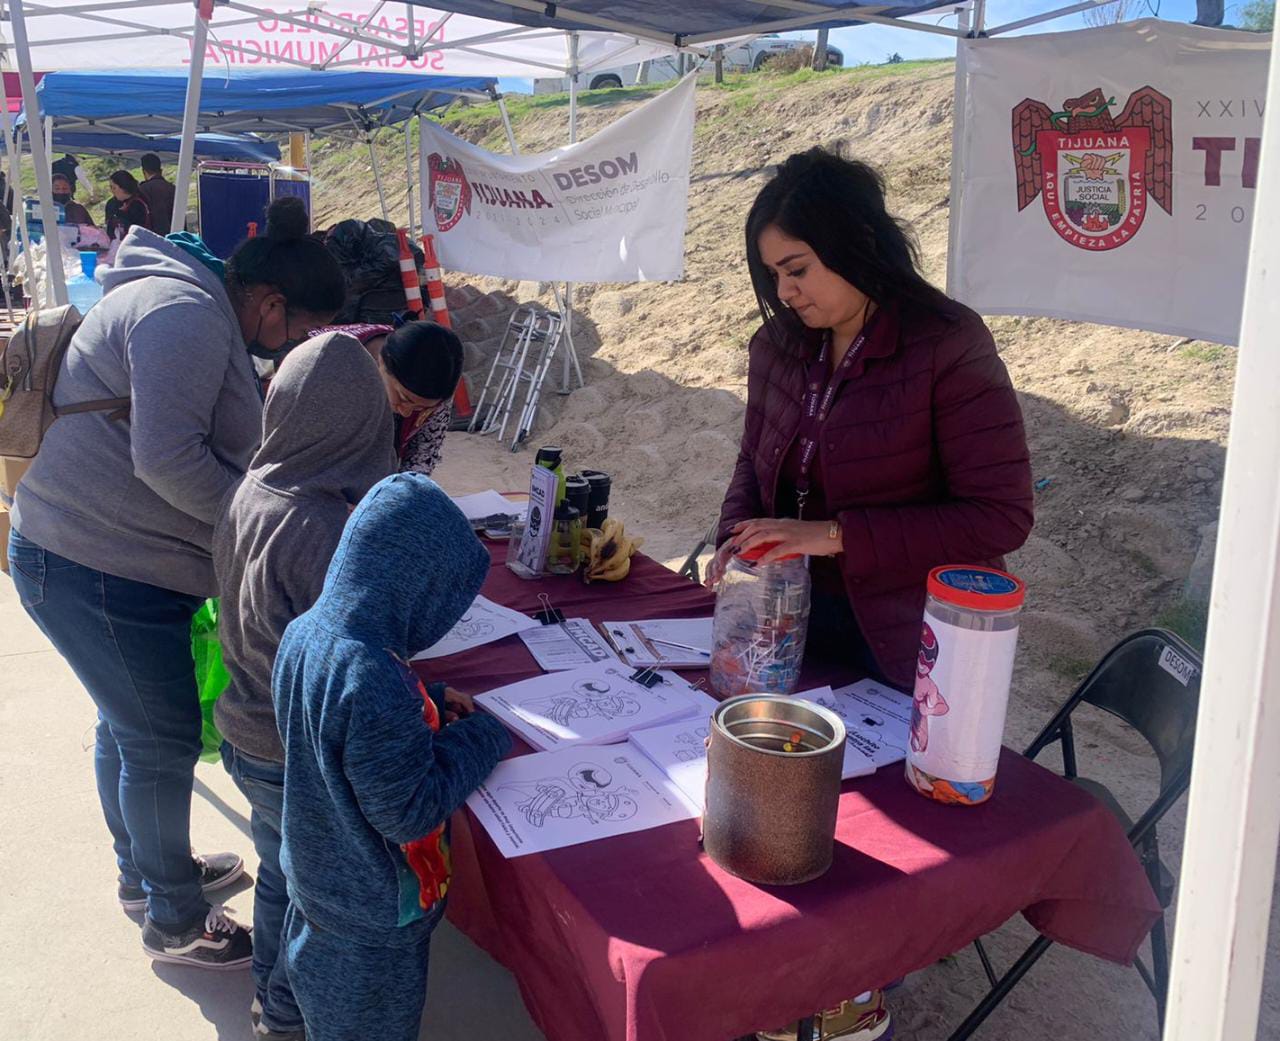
[(610, 552)]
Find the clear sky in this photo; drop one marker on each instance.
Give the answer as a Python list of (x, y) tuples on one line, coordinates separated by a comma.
[(874, 43)]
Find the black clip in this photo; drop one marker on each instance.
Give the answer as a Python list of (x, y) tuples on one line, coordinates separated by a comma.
[(647, 677), (549, 615)]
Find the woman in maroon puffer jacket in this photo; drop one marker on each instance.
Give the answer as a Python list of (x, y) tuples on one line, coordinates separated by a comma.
[(914, 453)]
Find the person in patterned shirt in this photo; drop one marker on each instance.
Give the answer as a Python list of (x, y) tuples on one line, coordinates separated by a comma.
[(421, 365)]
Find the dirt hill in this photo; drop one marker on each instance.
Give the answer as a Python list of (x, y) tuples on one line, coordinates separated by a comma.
[(1127, 433)]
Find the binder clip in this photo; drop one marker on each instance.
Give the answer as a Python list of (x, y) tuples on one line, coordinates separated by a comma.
[(550, 614), (648, 677)]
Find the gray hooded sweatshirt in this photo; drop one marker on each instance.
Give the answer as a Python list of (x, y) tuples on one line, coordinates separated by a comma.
[(137, 498), (327, 439)]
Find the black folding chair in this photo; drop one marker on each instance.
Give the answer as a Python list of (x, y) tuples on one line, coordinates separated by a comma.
[(1150, 680)]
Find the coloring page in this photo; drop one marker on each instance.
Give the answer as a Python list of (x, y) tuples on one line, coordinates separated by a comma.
[(570, 645), (489, 503), (596, 704), (877, 719), (483, 623), (548, 800)]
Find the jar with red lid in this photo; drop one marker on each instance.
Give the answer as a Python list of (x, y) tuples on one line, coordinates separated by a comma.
[(760, 626), (963, 671)]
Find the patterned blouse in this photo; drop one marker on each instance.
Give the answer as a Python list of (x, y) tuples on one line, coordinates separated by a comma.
[(421, 451)]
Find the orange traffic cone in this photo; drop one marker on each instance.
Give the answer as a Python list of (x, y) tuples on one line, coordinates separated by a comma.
[(434, 279), (409, 275)]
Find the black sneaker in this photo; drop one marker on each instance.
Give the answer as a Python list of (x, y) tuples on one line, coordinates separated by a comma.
[(217, 871), (216, 943)]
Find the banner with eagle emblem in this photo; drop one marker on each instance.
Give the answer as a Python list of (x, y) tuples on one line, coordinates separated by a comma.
[(1140, 142)]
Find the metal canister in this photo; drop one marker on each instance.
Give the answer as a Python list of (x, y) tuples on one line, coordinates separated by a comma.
[(773, 788)]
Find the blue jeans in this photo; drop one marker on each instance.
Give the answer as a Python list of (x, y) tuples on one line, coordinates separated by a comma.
[(262, 783), (130, 646), (353, 990)]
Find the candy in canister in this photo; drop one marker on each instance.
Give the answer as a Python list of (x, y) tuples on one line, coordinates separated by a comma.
[(760, 624), (967, 643)]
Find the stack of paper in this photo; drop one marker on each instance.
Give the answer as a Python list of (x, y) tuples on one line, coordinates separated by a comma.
[(598, 704), (573, 643), (483, 505), (548, 800), (876, 721), (675, 643), (484, 623)]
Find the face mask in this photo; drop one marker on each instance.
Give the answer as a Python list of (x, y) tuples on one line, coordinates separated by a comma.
[(62, 198), (260, 350)]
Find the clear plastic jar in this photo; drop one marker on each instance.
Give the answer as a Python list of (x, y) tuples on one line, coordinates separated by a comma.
[(761, 622), (963, 671)]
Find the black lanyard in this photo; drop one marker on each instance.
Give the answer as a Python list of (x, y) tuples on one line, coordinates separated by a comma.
[(817, 406)]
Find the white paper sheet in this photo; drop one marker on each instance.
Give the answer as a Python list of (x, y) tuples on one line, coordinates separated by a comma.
[(485, 622), (597, 704), (487, 504), (877, 719), (672, 642), (571, 645), (549, 800)]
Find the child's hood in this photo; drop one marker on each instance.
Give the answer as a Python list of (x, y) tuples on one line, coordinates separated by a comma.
[(327, 427), (407, 568)]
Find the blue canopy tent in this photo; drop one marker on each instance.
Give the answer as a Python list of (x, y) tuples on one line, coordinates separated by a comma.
[(153, 101), (221, 147)]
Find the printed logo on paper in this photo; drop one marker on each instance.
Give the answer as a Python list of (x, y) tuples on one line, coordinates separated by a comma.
[(450, 190), (1177, 666), (1096, 173)]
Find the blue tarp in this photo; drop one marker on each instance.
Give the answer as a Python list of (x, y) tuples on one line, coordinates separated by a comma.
[(152, 101), (679, 20), (224, 147)]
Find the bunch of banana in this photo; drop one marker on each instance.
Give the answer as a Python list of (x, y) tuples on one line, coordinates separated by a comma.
[(609, 553)]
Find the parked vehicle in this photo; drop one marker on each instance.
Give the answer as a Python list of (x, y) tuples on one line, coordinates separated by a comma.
[(751, 56)]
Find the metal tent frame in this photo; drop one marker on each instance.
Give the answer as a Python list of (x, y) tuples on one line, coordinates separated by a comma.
[(1229, 858)]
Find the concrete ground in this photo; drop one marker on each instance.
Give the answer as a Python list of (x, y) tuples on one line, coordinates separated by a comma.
[(74, 969)]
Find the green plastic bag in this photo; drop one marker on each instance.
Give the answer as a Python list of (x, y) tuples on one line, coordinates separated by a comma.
[(211, 674)]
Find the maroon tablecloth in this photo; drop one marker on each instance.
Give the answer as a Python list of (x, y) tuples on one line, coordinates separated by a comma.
[(641, 937)]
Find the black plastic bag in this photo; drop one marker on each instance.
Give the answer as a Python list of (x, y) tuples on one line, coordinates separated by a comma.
[(369, 255)]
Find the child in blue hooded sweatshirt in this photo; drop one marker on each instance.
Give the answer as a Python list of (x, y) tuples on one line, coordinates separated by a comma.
[(371, 775)]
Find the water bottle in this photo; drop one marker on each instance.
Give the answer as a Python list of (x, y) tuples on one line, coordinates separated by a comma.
[(760, 625), (83, 290)]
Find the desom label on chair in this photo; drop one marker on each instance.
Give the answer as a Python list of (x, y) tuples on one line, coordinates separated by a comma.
[(1177, 666)]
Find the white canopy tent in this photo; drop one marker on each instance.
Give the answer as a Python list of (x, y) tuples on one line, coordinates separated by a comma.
[(1229, 856)]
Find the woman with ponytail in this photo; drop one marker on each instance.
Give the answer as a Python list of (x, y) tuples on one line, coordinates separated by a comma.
[(112, 526)]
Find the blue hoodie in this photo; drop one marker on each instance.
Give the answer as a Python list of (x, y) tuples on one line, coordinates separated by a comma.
[(365, 775)]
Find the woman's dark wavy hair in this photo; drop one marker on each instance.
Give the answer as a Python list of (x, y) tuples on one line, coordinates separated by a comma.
[(836, 206), (287, 258)]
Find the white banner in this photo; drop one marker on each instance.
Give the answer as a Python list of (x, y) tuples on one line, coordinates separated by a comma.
[(1109, 175), (355, 35), (608, 209)]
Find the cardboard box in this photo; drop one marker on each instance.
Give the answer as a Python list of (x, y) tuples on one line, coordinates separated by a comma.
[(4, 540), (11, 471)]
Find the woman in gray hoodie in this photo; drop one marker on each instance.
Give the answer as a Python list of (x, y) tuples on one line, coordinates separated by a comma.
[(326, 440), (113, 525)]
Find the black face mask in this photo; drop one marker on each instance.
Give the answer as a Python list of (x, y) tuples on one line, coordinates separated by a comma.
[(260, 350), (62, 198)]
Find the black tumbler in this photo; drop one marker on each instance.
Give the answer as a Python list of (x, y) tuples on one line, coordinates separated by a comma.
[(577, 493), (598, 500)]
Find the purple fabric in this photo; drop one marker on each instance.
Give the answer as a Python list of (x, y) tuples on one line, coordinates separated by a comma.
[(642, 938)]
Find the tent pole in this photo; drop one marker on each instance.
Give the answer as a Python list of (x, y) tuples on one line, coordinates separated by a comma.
[(571, 355), (506, 123), (1233, 816), (377, 177), (408, 173), (958, 132), (190, 114), (48, 139), (14, 169), (56, 278)]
